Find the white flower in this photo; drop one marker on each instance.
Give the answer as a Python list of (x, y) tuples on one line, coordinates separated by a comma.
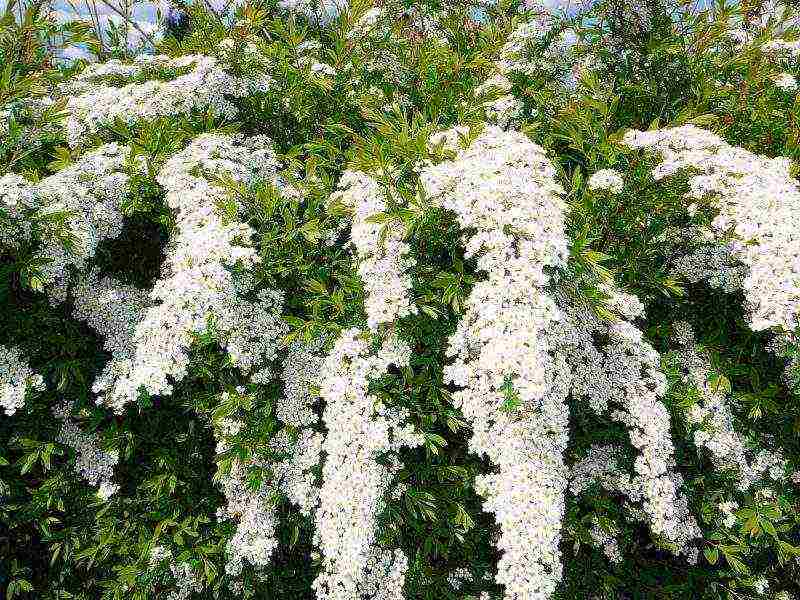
[(355, 484), (757, 200), (92, 462), (606, 179), (16, 380), (785, 81), (384, 260)]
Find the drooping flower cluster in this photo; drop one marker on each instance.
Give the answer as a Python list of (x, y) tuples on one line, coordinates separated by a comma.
[(605, 538), (199, 290), (293, 456), (19, 203), (601, 466), (361, 430), (206, 86), (183, 582), (90, 193), (300, 376), (114, 71), (623, 375), (713, 417), (503, 187), (113, 309), (16, 380), (321, 11), (758, 202), (782, 49), (528, 50), (786, 81), (505, 107), (522, 347), (382, 253), (92, 462), (253, 510)]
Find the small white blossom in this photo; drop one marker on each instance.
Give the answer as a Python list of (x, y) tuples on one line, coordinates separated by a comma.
[(785, 81), (606, 179), (16, 380), (92, 462)]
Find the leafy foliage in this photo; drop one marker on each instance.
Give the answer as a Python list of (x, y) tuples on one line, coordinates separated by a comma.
[(374, 107)]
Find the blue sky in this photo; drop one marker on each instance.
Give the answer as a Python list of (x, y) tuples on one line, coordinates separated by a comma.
[(146, 14)]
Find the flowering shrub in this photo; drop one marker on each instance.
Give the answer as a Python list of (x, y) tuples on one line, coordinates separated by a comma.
[(389, 300)]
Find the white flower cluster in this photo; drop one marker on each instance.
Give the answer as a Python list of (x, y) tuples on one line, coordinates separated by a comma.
[(624, 375), (5, 120), (300, 376), (717, 433), (600, 466), (758, 201), (361, 430), (504, 108), (199, 287), (503, 188), (91, 191), (383, 259), (204, 87), (514, 55), (785, 81), (458, 577), (322, 11), (604, 536), (19, 203), (714, 263), (521, 349), (785, 346), (727, 510), (254, 510), (783, 49), (16, 380), (92, 462), (95, 74), (378, 44), (184, 578), (627, 306), (113, 309), (529, 52), (606, 179), (711, 413)]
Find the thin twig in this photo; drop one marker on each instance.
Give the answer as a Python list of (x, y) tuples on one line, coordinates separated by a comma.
[(95, 18), (211, 8), (136, 26)]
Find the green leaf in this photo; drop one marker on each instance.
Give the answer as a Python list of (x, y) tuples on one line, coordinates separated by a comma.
[(737, 565), (719, 384)]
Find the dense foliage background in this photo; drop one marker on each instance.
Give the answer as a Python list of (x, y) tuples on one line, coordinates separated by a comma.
[(344, 96)]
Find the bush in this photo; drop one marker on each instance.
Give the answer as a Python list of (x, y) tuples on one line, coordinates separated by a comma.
[(403, 300)]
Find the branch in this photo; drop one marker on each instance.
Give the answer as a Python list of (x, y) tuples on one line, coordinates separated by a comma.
[(127, 18)]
